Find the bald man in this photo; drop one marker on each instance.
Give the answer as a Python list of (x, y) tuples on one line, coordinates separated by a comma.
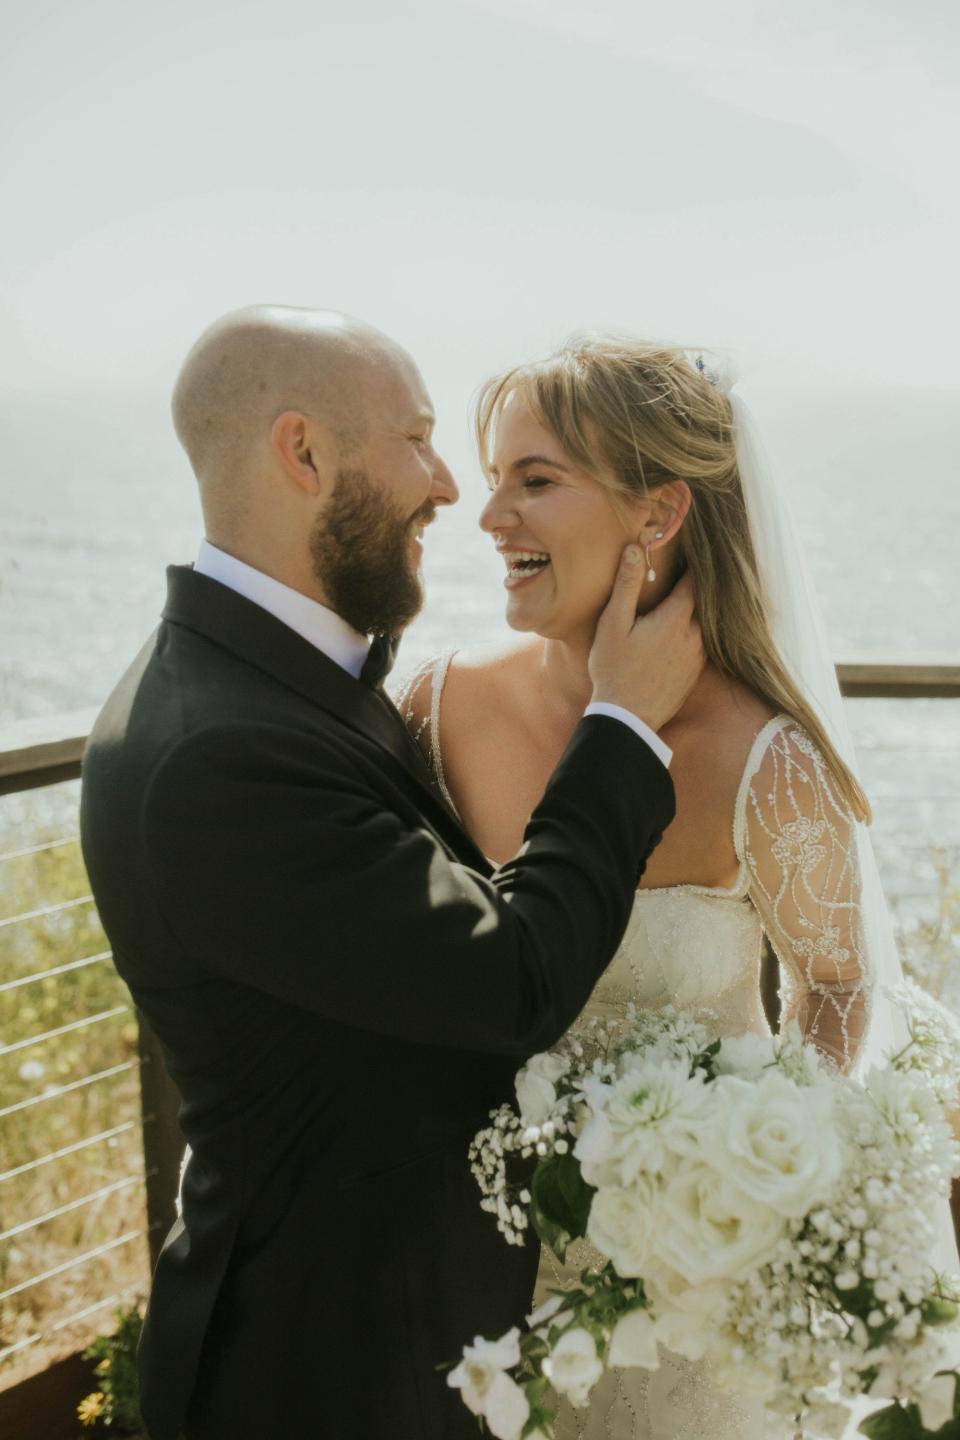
[(342, 985)]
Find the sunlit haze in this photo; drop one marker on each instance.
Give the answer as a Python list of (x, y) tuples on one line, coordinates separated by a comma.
[(479, 177)]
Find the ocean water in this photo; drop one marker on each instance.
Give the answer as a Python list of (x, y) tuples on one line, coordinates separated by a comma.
[(96, 499)]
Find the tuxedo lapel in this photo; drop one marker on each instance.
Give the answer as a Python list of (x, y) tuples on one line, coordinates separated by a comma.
[(213, 610)]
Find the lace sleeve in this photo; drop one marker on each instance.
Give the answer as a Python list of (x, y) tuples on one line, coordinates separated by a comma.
[(799, 844)]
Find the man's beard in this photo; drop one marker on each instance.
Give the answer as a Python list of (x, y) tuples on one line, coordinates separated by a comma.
[(360, 549)]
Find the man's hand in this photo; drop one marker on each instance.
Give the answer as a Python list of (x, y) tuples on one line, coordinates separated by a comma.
[(647, 664)]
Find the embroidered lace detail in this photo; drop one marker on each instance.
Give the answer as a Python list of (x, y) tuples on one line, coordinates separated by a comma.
[(798, 839)]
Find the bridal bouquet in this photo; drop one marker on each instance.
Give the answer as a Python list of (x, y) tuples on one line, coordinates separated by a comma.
[(744, 1203)]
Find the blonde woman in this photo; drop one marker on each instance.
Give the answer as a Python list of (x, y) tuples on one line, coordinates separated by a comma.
[(608, 440)]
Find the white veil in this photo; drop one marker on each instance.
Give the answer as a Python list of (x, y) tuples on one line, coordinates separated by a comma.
[(797, 629)]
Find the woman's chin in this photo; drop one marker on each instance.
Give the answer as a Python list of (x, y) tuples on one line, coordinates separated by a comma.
[(550, 626), (521, 624)]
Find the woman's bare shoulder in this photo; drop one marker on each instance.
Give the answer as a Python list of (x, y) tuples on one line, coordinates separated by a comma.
[(498, 661), (714, 740), (483, 678)]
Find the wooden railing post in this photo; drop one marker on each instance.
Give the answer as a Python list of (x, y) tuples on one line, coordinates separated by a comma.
[(163, 1142)]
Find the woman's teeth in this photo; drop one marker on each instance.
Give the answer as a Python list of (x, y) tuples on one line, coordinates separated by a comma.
[(522, 563)]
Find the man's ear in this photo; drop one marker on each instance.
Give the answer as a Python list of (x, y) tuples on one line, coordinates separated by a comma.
[(301, 451)]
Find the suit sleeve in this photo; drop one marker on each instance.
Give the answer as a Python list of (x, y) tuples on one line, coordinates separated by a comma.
[(335, 904)]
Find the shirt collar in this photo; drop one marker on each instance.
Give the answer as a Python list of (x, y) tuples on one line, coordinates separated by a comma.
[(316, 623)]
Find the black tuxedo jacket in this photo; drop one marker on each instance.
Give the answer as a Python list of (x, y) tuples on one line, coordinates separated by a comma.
[(343, 989)]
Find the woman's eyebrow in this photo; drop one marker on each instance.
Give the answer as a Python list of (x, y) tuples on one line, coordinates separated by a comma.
[(526, 460)]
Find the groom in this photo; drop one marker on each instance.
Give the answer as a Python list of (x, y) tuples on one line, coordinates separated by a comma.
[(342, 985)]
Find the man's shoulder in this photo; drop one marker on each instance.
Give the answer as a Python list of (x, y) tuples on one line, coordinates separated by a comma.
[(184, 696)]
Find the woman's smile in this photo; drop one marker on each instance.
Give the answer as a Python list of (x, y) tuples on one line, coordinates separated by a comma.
[(523, 566)]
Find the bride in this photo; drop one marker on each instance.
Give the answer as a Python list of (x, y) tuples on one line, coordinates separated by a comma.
[(609, 440)]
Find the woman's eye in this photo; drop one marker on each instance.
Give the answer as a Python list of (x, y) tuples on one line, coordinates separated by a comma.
[(536, 482)]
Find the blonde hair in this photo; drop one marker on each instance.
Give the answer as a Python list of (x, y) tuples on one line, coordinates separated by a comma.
[(636, 415)]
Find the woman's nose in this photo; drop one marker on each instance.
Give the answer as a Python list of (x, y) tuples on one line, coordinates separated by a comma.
[(496, 514)]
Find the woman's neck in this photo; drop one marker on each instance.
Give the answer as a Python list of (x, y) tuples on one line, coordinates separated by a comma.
[(562, 673), (564, 687)]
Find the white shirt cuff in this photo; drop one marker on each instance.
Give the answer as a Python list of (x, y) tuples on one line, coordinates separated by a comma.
[(616, 712)]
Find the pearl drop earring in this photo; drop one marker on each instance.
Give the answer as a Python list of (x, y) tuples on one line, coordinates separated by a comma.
[(651, 573)]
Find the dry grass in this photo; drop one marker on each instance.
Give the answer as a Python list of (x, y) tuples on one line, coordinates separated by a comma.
[(28, 1134)]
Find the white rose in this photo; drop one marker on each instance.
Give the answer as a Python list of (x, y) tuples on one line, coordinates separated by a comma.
[(747, 1054), (536, 1086), (620, 1224), (653, 1112), (775, 1141), (482, 1362), (634, 1341), (573, 1366), (507, 1408), (707, 1229), (936, 1401), (685, 1314)]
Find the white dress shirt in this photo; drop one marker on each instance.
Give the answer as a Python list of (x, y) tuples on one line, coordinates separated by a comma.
[(331, 634), (317, 623)]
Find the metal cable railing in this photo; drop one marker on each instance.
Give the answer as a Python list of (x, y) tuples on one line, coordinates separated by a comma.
[(40, 849), (25, 1225), (55, 970), (45, 910), (78, 1260), (30, 1040), (48, 1159), (67, 1320), (55, 1091)]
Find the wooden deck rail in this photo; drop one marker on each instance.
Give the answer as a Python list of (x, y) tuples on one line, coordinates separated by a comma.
[(46, 751)]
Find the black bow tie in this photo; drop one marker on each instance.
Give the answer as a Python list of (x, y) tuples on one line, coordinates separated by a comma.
[(379, 662)]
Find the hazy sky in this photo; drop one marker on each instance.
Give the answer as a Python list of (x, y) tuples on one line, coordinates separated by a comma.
[(480, 177)]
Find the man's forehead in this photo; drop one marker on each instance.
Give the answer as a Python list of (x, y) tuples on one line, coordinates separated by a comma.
[(405, 393)]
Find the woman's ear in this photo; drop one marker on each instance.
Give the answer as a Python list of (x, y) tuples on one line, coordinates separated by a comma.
[(669, 507)]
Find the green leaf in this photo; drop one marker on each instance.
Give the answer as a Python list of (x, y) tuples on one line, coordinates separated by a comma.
[(552, 1235), (561, 1201), (704, 1061), (539, 1422), (894, 1423), (532, 1346)]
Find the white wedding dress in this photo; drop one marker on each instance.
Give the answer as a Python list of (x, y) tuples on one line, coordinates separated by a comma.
[(700, 948)]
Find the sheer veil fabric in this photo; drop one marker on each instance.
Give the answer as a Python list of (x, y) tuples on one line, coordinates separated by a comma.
[(798, 630)]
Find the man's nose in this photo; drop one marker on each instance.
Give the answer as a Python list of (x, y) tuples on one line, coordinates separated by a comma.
[(444, 490)]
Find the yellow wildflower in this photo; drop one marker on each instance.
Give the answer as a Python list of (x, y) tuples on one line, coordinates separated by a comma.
[(104, 1365), (92, 1407)]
